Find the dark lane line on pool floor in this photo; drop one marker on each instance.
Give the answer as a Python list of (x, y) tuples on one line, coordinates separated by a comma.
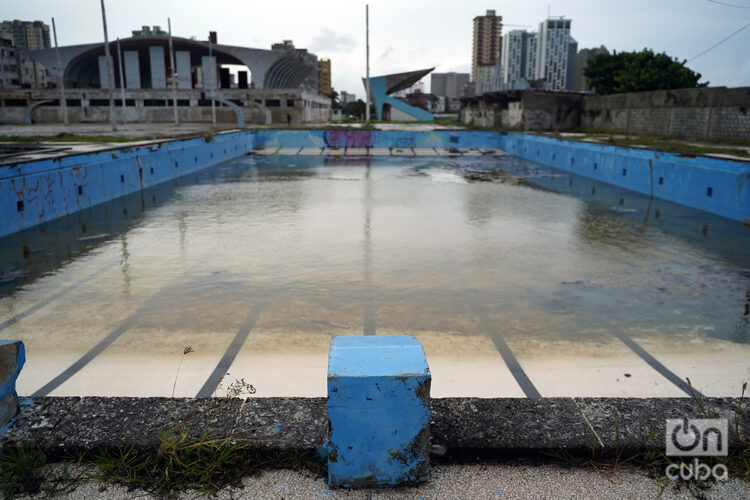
[(44, 302), (510, 359), (84, 360), (654, 363), (212, 383), (368, 327)]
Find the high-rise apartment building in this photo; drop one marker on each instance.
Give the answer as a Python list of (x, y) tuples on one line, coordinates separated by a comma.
[(518, 58), (486, 47), (448, 84), (555, 60), (26, 34), (324, 76)]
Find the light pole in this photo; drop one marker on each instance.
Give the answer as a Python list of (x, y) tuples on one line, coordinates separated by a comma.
[(213, 81), (63, 102), (110, 81), (174, 74), (122, 79), (367, 41)]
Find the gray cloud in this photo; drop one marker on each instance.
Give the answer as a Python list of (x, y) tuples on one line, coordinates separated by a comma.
[(328, 41)]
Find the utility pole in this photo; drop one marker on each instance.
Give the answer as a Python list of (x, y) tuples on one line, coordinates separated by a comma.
[(122, 79), (367, 38), (110, 80), (174, 74), (63, 102), (213, 81)]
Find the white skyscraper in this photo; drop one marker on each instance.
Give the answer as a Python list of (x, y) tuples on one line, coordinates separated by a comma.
[(518, 57), (556, 54)]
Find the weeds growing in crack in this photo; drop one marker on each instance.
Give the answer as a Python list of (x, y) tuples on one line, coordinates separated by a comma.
[(185, 352)]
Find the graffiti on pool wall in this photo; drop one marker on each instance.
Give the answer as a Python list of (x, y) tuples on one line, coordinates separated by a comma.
[(349, 138)]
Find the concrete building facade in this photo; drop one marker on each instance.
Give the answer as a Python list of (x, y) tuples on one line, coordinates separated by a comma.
[(486, 46), (29, 35), (532, 50), (556, 52), (451, 85), (9, 68), (283, 81)]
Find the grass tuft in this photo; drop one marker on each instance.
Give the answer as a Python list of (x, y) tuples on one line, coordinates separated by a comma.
[(21, 470)]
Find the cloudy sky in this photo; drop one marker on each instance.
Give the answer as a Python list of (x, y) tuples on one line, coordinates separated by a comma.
[(414, 34)]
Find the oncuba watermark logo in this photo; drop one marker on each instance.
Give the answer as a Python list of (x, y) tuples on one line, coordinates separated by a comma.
[(697, 437)]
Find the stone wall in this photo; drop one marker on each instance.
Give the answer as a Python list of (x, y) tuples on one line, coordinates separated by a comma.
[(528, 110), (702, 113)]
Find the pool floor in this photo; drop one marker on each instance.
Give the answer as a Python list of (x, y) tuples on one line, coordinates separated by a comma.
[(518, 279)]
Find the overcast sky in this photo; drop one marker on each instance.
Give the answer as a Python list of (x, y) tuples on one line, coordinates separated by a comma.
[(415, 34)]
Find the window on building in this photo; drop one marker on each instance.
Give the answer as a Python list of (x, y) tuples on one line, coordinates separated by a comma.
[(290, 103), (273, 103)]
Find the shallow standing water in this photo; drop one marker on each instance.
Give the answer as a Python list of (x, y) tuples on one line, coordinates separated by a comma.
[(519, 280)]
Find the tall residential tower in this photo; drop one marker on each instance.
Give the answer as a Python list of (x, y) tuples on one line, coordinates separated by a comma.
[(26, 34), (556, 54), (518, 59), (486, 48)]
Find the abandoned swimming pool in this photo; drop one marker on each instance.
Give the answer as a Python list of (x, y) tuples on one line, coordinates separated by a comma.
[(520, 280)]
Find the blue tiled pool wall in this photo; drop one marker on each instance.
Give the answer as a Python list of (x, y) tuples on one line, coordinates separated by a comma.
[(717, 186), (39, 191)]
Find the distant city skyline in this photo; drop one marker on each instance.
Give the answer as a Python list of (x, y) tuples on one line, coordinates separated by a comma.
[(411, 35)]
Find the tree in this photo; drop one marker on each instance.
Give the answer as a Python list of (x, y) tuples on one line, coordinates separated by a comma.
[(335, 103), (356, 108), (636, 71)]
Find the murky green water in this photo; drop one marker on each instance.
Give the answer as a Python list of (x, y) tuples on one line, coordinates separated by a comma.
[(311, 247)]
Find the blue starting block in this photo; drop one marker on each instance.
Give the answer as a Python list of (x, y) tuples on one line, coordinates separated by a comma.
[(378, 411), (12, 359)]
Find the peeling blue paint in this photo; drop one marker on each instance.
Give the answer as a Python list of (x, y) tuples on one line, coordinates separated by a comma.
[(378, 411), (12, 359)]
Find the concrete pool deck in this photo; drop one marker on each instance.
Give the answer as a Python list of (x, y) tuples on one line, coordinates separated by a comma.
[(461, 429)]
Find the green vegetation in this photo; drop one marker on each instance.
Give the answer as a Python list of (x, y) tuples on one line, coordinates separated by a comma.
[(738, 460), (648, 454), (21, 470), (183, 463), (636, 71), (669, 144)]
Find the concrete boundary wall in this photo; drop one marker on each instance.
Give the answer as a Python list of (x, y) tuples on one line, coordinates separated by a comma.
[(720, 187), (701, 113)]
